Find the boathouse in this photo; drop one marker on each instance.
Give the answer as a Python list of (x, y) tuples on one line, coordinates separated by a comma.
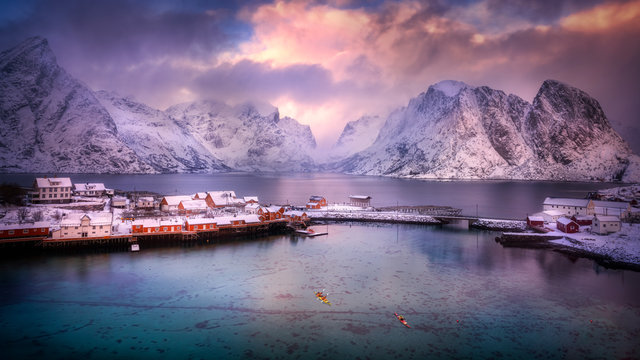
[(202, 224), (612, 208), (569, 206), (316, 202), (119, 202), (156, 226), (251, 200), (90, 189), (145, 202), (296, 216), (363, 201), (251, 208), (14, 231), (51, 191), (200, 196), (218, 199), (270, 213), (537, 221), (84, 225), (603, 224), (567, 225)]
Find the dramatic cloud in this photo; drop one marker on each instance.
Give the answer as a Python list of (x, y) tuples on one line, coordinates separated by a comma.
[(329, 62)]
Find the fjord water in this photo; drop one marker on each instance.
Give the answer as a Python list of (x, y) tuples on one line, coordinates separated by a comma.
[(502, 199), (464, 296)]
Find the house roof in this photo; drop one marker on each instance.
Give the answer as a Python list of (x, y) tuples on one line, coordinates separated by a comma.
[(553, 212), (566, 221), (566, 202), (583, 217), (360, 197), (89, 187), (249, 219), (226, 197), (99, 218), (251, 198), (202, 221), (605, 218), (146, 198), (611, 204), (175, 200), (200, 195), (535, 218), (53, 182), (194, 204), (33, 225)]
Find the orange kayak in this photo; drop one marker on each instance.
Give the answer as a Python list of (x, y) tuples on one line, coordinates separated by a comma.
[(402, 320)]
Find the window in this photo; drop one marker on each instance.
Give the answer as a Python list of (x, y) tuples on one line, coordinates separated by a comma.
[(1, 232), (50, 196), (604, 225), (76, 228), (164, 228), (10, 232), (55, 196), (157, 229), (94, 227), (25, 231)]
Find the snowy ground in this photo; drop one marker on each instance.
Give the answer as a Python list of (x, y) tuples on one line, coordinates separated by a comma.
[(361, 214), (623, 246), (626, 193)]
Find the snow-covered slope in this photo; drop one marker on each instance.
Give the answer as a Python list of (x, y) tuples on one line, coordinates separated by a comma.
[(248, 137), (454, 130), (356, 136), (50, 122), (157, 138)]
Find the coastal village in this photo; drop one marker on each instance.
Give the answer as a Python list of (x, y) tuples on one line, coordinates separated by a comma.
[(59, 213)]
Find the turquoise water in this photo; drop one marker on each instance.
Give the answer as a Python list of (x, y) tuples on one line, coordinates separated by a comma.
[(464, 296)]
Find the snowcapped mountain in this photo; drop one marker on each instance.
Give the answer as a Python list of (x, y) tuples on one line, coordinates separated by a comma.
[(157, 138), (356, 136), (454, 130), (51, 122), (248, 137)]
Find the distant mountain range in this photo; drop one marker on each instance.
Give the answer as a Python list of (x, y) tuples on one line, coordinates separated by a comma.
[(51, 122)]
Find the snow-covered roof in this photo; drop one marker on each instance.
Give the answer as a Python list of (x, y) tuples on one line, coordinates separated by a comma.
[(53, 182), (566, 202), (565, 221), (200, 195), (33, 225), (175, 200), (98, 218), (605, 218), (252, 206), (360, 197), (226, 197), (583, 217), (224, 220), (553, 212), (155, 222), (171, 222), (202, 221), (89, 187), (535, 218), (312, 203), (316, 198), (194, 204), (251, 198), (146, 199), (611, 204), (274, 208), (249, 219)]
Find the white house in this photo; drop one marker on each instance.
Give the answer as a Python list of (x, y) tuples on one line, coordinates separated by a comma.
[(81, 225), (251, 208), (145, 202), (550, 216), (89, 189), (612, 208), (51, 190), (119, 202), (569, 206), (604, 225), (192, 206)]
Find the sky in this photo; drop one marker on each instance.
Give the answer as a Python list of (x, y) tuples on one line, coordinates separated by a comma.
[(327, 62)]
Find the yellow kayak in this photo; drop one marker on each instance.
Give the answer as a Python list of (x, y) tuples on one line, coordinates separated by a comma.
[(322, 298)]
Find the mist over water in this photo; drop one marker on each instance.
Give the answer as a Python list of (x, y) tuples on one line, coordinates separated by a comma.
[(464, 296)]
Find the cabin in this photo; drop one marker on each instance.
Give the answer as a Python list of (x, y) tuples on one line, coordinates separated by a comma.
[(567, 225), (199, 196), (569, 206), (119, 202), (90, 189), (296, 216), (582, 220), (270, 213), (550, 216), (605, 224), (218, 199), (192, 206), (145, 202), (170, 203), (316, 202), (202, 224), (251, 208), (612, 208), (51, 190), (84, 225), (156, 226), (250, 199), (537, 221), (15, 231), (362, 201), (237, 221)]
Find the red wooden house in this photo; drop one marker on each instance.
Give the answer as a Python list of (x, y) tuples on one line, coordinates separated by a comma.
[(316, 202), (13, 231), (537, 221), (203, 224), (567, 225), (270, 213), (582, 220), (156, 226)]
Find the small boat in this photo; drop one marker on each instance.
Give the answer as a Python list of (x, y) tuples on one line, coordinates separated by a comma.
[(135, 247), (322, 298), (402, 320)]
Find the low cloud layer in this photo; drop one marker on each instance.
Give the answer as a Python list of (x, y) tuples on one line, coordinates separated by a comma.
[(329, 62)]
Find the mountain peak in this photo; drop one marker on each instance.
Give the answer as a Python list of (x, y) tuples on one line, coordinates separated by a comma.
[(33, 52), (450, 87)]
